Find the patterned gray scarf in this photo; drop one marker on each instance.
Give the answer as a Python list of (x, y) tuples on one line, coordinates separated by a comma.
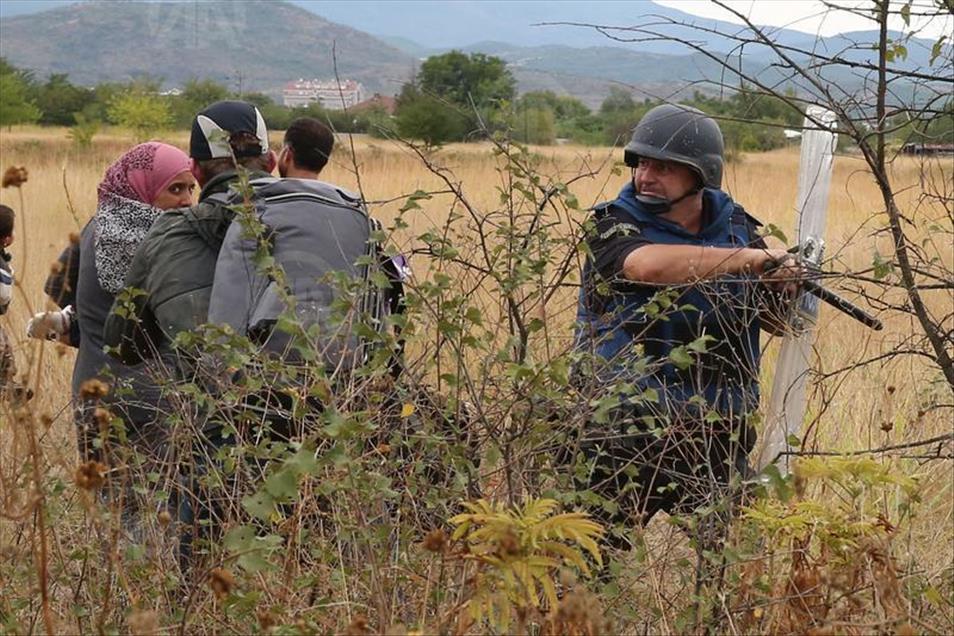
[(121, 225)]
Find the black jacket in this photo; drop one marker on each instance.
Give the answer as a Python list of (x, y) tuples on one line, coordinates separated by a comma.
[(170, 280)]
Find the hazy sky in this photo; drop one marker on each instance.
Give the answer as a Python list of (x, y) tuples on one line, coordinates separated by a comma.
[(810, 16)]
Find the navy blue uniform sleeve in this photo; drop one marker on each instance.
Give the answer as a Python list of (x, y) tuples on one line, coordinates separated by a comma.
[(614, 236)]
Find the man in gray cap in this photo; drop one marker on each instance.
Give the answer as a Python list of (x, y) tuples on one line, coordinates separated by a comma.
[(175, 265), (675, 292)]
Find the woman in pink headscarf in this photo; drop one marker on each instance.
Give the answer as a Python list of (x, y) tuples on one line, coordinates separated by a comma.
[(146, 180)]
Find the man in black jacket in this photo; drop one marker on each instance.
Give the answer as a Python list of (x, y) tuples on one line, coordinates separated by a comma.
[(169, 283), (174, 267)]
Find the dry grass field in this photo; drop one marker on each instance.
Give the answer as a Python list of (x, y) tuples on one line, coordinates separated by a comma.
[(880, 404)]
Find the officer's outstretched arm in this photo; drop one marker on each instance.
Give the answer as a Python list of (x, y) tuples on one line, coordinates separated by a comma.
[(679, 264)]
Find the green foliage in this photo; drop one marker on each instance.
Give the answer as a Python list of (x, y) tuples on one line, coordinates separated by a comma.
[(618, 101), (59, 100), (196, 95), (476, 80), (425, 117), (455, 96), (534, 125), (83, 131), (143, 113), (518, 552), (15, 104), (823, 545)]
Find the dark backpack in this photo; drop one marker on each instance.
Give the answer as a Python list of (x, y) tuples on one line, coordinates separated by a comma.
[(315, 232)]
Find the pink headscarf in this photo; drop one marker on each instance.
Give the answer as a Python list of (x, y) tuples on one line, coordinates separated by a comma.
[(143, 172), (125, 211)]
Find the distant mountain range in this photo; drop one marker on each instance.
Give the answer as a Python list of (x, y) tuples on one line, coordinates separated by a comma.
[(256, 44), (259, 45)]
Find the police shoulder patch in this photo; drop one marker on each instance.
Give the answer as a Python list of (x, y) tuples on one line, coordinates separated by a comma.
[(621, 229)]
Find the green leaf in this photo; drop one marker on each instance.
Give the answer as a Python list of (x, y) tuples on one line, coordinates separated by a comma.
[(775, 231), (283, 485), (260, 505), (680, 357), (701, 344), (937, 48), (882, 266)]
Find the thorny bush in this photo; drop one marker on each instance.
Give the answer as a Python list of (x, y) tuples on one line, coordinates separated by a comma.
[(331, 502)]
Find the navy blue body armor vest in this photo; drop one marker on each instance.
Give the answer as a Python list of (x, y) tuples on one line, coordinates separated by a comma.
[(614, 323)]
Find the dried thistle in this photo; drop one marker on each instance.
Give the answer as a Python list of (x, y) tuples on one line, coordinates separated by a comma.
[(102, 417), (435, 541), (221, 581), (358, 627), (90, 476), (94, 389), (145, 622), (15, 176), (579, 612), (266, 619)]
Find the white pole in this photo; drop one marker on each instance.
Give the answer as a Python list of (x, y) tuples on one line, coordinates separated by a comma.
[(786, 408)]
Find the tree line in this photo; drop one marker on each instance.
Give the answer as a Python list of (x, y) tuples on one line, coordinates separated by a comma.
[(454, 97)]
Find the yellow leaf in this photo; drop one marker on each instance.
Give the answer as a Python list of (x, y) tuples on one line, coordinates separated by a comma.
[(407, 410), (550, 590)]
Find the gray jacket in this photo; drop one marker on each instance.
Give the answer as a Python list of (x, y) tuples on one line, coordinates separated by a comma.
[(314, 232)]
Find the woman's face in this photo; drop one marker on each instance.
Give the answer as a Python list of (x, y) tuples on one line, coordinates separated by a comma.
[(178, 194)]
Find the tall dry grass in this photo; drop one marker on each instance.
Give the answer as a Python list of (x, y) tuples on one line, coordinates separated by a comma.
[(880, 404)]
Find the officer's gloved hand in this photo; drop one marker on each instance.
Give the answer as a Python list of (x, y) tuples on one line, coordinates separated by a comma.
[(50, 325)]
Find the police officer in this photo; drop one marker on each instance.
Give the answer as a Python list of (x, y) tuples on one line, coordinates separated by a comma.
[(674, 295)]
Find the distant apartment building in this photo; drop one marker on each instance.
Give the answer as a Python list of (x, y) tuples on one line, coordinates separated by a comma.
[(329, 94)]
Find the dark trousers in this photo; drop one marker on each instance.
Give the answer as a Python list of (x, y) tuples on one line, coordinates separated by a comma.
[(680, 463)]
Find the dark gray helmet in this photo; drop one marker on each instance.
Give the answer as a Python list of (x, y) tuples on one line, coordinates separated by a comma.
[(683, 134)]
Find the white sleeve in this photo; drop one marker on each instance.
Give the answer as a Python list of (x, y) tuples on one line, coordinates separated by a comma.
[(6, 289)]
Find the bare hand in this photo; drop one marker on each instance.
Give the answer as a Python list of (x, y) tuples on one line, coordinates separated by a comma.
[(779, 271)]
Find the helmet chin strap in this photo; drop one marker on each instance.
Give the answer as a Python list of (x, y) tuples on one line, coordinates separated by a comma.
[(660, 205)]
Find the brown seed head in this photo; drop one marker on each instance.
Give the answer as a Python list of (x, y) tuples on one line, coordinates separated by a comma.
[(265, 619), (90, 476), (46, 420), (358, 627), (435, 541), (509, 545), (887, 426), (144, 622), (164, 518), (74, 238), (221, 581), (891, 389), (15, 176), (94, 389), (102, 417)]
